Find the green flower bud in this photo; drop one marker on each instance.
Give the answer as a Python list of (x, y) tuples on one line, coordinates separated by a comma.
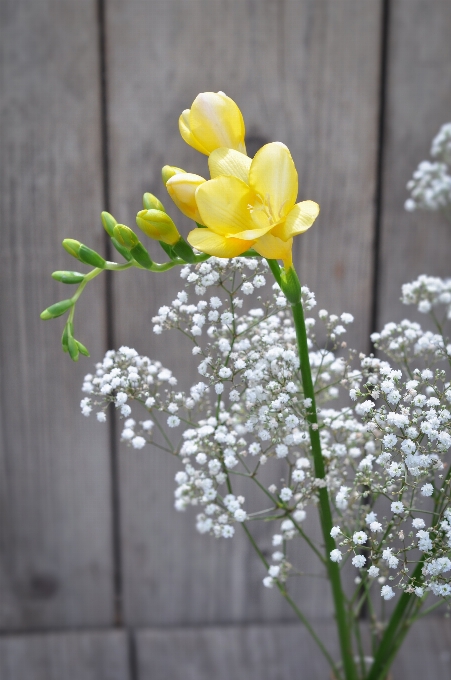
[(184, 250), (72, 346), (169, 171), (158, 225), (125, 236), (140, 254), (82, 349), (68, 277), (57, 309), (71, 246), (151, 202), (89, 256), (67, 330), (108, 222)]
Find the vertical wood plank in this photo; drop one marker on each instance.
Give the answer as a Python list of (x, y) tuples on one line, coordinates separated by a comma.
[(418, 103), (55, 529), (89, 655), (304, 73)]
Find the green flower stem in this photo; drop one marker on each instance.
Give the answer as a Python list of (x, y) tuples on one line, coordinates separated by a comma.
[(395, 632), (324, 504)]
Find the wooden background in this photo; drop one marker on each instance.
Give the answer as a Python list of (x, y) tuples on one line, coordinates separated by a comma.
[(100, 579)]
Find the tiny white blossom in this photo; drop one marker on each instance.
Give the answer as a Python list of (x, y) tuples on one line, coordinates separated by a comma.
[(387, 592), (358, 561), (359, 538), (427, 490), (336, 555)]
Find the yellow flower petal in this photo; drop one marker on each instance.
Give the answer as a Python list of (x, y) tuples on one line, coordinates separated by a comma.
[(274, 248), (299, 219), (274, 179), (225, 161), (214, 244), (214, 121), (223, 205), (182, 189), (186, 133)]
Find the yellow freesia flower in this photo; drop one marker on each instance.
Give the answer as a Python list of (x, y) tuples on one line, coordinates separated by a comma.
[(213, 121), (251, 204)]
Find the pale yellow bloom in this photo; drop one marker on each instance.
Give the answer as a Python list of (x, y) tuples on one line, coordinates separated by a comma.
[(252, 206), (182, 189), (213, 121)]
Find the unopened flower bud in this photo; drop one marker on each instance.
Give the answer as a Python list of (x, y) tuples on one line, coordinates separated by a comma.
[(108, 222), (125, 236), (151, 202), (158, 225), (83, 253), (213, 121), (169, 171), (182, 190), (57, 309), (68, 277)]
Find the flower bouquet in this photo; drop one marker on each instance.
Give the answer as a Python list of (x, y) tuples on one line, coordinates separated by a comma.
[(314, 427)]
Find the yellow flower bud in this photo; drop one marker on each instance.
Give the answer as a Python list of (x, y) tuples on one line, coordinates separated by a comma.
[(169, 171), (182, 190), (151, 202), (158, 225), (212, 122)]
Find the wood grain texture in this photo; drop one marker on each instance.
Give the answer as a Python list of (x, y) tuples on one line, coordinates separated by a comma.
[(277, 652), (418, 103), (305, 73), (55, 545), (92, 655)]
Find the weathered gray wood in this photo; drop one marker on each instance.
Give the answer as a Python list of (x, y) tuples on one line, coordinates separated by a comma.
[(305, 73), (55, 544), (418, 103), (277, 652), (92, 655), (268, 652)]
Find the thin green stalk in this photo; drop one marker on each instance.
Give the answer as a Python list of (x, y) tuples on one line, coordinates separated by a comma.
[(292, 604), (324, 504)]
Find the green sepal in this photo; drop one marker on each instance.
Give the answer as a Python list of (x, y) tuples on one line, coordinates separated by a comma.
[(71, 246), (89, 256), (57, 309), (68, 277), (201, 226), (73, 349), (142, 257), (108, 222), (168, 249), (125, 236), (184, 250), (120, 249), (82, 349), (151, 202), (290, 286)]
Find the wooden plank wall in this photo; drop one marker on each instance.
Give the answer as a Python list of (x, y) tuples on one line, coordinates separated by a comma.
[(305, 72)]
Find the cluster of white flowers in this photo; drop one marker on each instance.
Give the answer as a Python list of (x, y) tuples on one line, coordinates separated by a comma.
[(248, 412), (430, 187), (428, 292)]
